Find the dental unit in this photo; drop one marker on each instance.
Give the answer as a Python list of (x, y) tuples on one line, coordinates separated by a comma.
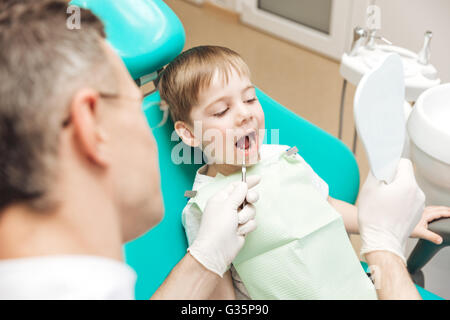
[(366, 53)]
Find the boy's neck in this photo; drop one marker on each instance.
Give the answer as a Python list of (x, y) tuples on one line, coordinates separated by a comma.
[(224, 169)]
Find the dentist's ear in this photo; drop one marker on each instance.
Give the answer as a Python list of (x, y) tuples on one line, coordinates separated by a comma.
[(89, 136), (186, 134), (102, 139)]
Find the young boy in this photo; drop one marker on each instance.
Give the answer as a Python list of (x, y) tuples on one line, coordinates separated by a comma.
[(214, 107)]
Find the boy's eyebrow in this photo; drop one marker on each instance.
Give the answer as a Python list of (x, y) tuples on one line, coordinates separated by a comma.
[(248, 87)]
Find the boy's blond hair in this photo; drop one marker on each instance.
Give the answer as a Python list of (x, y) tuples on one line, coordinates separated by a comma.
[(192, 71)]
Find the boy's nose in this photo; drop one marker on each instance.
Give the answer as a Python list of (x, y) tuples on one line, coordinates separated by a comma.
[(244, 115)]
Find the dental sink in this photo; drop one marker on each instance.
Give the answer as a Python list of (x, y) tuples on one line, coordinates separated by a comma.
[(429, 131), (418, 77)]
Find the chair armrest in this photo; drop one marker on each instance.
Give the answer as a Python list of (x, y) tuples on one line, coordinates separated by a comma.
[(425, 250)]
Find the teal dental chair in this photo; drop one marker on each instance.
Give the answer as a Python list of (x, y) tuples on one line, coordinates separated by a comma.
[(148, 35)]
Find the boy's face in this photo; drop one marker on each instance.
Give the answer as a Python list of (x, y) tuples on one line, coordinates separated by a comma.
[(231, 118)]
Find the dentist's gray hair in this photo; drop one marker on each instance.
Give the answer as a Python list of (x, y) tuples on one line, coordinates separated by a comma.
[(42, 64)]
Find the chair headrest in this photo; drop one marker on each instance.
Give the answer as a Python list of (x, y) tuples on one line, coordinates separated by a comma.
[(145, 33)]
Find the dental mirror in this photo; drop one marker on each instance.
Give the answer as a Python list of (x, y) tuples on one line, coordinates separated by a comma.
[(379, 116)]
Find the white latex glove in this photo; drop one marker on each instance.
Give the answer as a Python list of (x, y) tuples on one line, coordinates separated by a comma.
[(223, 228), (388, 213)]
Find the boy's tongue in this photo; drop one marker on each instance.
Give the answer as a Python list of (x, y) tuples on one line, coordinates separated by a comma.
[(247, 142), (248, 147), (244, 143)]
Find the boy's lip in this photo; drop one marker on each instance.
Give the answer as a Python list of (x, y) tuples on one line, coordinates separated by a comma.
[(248, 132)]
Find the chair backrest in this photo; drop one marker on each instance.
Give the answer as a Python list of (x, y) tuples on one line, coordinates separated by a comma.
[(155, 254), (145, 33)]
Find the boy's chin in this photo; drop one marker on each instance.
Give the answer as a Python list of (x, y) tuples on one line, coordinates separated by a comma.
[(250, 159), (251, 155)]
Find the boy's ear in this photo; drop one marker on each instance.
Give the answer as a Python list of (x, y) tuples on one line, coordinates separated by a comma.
[(186, 134)]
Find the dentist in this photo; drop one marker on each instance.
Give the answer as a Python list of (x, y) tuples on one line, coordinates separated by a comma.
[(79, 175), (79, 172)]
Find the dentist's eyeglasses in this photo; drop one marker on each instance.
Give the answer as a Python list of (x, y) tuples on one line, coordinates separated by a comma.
[(162, 116)]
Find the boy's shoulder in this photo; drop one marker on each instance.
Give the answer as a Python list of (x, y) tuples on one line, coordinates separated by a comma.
[(201, 178)]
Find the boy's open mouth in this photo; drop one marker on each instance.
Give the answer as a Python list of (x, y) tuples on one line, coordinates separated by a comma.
[(247, 141)]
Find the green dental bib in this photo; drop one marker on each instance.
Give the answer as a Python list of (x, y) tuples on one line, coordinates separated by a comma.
[(300, 249)]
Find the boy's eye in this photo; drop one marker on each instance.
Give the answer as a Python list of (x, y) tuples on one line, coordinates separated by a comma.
[(250, 100), (219, 114)]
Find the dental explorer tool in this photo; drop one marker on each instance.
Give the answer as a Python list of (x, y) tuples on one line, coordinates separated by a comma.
[(243, 176)]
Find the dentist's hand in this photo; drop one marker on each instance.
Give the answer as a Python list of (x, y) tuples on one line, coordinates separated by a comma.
[(388, 213), (223, 228)]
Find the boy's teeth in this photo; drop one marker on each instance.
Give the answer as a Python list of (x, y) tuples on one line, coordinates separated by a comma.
[(241, 143)]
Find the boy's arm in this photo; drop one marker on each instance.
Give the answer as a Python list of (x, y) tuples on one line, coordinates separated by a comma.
[(349, 213), (224, 289)]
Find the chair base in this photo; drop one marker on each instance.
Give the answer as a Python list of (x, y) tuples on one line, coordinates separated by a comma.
[(418, 278)]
